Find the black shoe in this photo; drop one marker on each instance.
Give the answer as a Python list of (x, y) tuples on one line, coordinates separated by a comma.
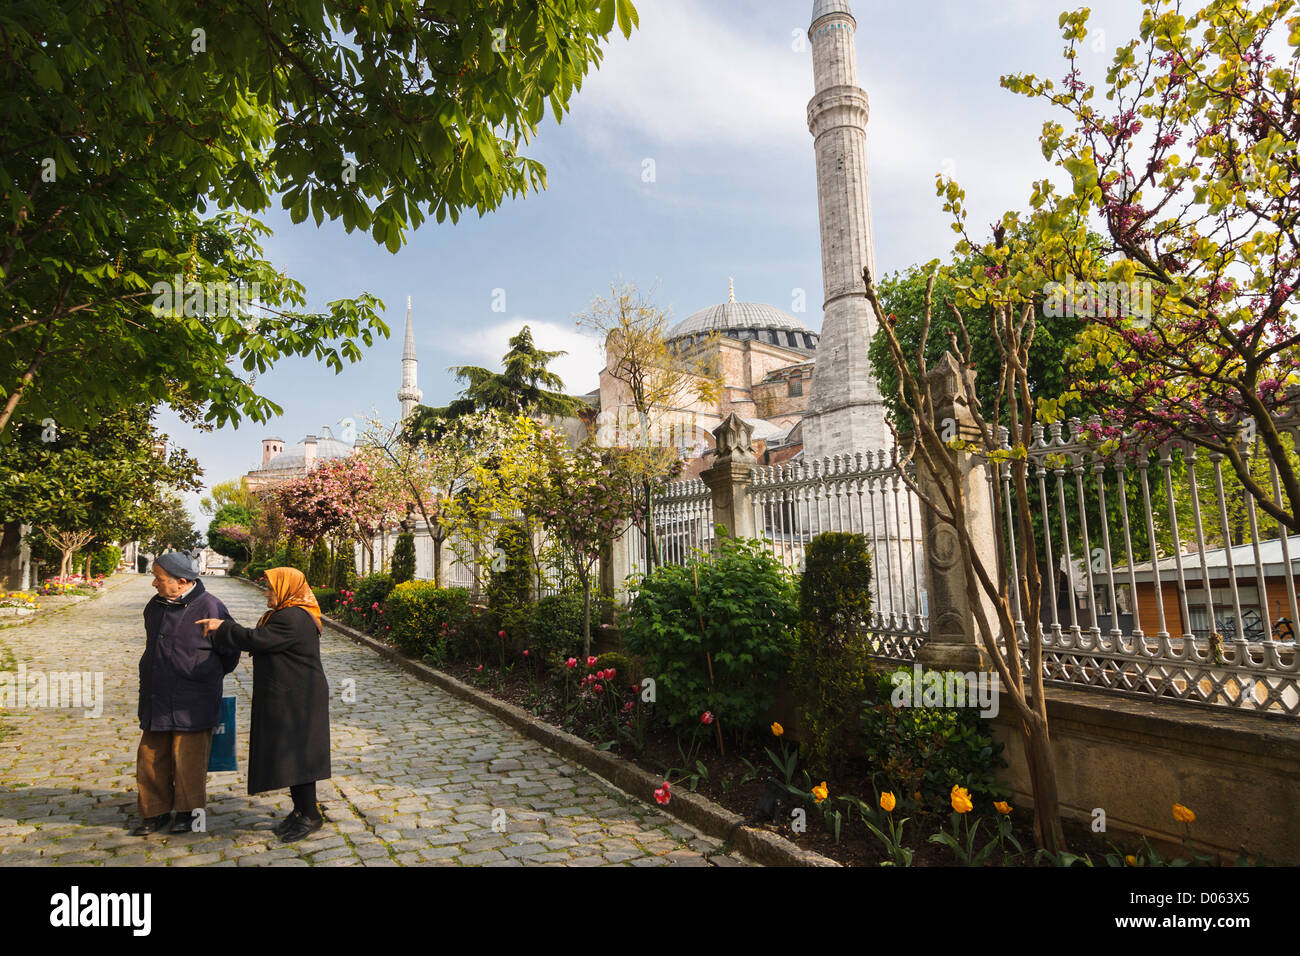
[(151, 824), (300, 828), (293, 817), (184, 824)]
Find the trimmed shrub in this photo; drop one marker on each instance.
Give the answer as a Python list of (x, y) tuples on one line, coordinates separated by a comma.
[(928, 749), (835, 589), (832, 663), (402, 566), (471, 631), (510, 582), (105, 560), (344, 574), (364, 610), (420, 616), (318, 568), (740, 617), (626, 671), (557, 628), (294, 555), (327, 598)]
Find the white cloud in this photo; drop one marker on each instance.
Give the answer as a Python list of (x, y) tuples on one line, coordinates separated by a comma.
[(580, 368), (688, 76)]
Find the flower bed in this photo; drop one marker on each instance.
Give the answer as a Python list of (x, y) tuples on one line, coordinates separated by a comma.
[(881, 775), (877, 827), (17, 603), (71, 584)]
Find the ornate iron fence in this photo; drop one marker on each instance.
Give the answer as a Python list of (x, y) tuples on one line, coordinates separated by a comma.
[(793, 503), (1137, 600)]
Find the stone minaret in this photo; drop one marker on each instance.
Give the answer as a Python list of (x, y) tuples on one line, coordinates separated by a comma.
[(409, 395), (845, 413)]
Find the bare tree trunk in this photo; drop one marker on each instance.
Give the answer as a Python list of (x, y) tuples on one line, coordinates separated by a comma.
[(10, 543), (585, 576), (1042, 774), (651, 542)]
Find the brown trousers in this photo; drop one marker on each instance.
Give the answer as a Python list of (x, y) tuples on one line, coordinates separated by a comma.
[(171, 771)]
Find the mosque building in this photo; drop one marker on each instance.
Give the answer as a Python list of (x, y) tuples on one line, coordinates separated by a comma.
[(804, 393)]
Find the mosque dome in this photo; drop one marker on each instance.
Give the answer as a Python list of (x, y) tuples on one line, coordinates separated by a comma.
[(295, 456), (747, 321)]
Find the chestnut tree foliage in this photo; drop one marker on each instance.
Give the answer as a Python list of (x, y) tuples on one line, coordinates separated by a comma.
[(139, 141), (113, 481)]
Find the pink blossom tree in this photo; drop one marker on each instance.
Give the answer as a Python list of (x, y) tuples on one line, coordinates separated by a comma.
[(1193, 165), (339, 497)]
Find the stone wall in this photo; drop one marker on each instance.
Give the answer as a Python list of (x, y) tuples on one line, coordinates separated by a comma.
[(1239, 773)]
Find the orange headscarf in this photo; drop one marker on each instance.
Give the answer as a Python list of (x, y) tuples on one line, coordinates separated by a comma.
[(290, 589)]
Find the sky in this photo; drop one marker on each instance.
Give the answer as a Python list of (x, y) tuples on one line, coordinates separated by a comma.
[(684, 160)]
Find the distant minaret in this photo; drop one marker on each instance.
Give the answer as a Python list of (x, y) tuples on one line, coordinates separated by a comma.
[(845, 413), (409, 395)]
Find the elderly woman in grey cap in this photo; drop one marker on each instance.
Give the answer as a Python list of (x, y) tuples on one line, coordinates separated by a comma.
[(180, 695)]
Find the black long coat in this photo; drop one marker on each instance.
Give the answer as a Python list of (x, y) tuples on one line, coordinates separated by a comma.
[(289, 742), (180, 674)]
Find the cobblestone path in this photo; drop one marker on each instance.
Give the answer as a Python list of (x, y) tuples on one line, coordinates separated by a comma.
[(419, 776)]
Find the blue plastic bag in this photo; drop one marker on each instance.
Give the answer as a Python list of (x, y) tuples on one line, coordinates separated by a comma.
[(222, 755)]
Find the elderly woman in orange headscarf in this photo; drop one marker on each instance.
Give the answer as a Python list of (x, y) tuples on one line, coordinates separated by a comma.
[(289, 742)]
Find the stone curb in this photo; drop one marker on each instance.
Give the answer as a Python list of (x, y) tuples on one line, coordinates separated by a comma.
[(704, 815)]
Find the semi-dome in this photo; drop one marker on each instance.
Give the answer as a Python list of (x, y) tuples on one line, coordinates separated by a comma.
[(747, 321)]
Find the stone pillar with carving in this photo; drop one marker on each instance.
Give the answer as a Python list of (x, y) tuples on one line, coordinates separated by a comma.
[(731, 475), (954, 642)]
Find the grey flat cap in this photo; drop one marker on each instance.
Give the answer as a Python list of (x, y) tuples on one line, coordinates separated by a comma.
[(179, 564)]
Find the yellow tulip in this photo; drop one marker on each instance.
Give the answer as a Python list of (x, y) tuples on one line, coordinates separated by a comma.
[(820, 792), (1002, 807), (960, 798), (1183, 815), (1131, 860), (887, 802), (777, 729)]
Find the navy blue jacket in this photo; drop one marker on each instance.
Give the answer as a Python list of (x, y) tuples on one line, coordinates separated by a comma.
[(180, 673)]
